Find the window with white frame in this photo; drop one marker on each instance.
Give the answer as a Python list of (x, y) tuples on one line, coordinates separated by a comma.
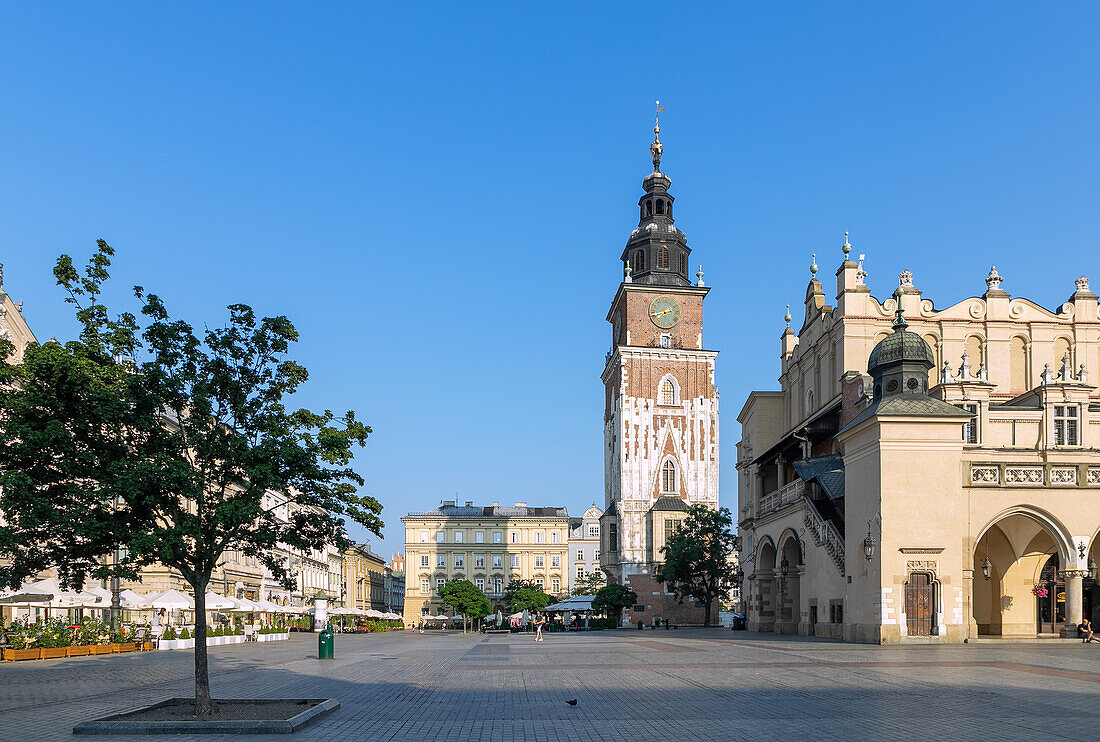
[(593, 531), (970, 427), (479, 537), (540, 582), (556, 585), (596, 555), (440, 560), (1065, 425), (580, 571), (580, 555), (555, 561), (460, 560), (515, 537), (538, 537), (439, 535), (498, 585), (425, 586), (668, 392), (479, 561), (669, 481), (423, 537), (458, 537), (498, 537), (423, 560), (480, 582), (496, 560), (540, 561), (555, 537), (439, 584), (515, 561)]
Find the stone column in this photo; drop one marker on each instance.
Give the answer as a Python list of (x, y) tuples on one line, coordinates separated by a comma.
[(757, 488), (781, 470), (1074, 600)]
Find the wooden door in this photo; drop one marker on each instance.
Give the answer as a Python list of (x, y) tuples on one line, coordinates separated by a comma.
[(918, 604)]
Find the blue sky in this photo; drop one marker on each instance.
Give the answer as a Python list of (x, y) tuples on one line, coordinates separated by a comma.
[(438, 196)]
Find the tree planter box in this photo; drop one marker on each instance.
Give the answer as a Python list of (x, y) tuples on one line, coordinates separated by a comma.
[(177, 644), (123, 647), (22, 654), (100, 649), (81, 651), (272, 637), (147, 646), (53, 653)]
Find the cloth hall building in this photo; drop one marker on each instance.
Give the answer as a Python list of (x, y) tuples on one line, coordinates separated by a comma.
[(925, 472)]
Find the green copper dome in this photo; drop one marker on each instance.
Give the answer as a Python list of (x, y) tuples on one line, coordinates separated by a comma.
[(900, 346)]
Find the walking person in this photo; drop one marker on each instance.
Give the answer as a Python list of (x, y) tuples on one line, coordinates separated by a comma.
[(539, 621), (422, 626)]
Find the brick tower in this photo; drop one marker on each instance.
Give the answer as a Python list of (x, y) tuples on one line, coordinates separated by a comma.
[(661, 406)]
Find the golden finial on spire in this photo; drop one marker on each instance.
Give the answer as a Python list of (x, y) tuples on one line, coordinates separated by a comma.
[(656, 149)]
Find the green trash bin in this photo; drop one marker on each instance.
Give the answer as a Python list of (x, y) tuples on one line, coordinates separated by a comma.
[(325, 644)]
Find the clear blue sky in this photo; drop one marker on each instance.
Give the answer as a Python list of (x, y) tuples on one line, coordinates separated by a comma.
[(438, 196)]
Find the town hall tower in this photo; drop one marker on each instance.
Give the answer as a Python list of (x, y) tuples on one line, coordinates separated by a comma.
[(661, 405)]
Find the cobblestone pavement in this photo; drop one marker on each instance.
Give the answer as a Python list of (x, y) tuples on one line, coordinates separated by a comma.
[(631, 686)]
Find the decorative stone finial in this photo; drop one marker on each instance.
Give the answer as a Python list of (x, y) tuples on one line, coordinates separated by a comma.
[(787, 318), (946, 377), (1066, 373), (993, 280), (656, 149), (626, 272), (861, 272), (964, 369), (813, 266), (1081, 283), (905, 278), (1082, 375), (846, 247), (1046, 377), (899, 322), (699, 275)]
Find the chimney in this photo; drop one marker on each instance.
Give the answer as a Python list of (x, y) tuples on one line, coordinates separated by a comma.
[(496, 504), (448, 503), (521, 504), (469, 503)]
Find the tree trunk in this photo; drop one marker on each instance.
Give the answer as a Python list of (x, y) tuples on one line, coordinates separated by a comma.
[(204, 705), (706, 617), (463, 623)]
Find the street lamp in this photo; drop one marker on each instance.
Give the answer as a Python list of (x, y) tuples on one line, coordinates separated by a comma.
[(869, 544), (739, 576), (987, 568), (784, 567)]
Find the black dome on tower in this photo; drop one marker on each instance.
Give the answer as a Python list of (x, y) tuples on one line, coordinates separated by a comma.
[(657, 252)]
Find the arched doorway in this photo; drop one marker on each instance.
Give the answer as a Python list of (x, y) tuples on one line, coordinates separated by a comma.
[(762, 617), (1016, 559), (920, 604), (788, 599)]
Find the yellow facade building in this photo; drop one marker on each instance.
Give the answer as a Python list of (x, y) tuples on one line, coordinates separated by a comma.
[(489, 546)]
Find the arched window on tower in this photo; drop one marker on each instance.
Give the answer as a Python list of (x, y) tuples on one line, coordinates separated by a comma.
[(669, 480), (683, 263), (637, 261), (662, 258), (660, 206), (668, 392), (649, 208)]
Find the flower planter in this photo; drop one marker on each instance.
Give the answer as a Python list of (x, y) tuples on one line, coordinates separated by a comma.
[(23, 654), (147, 646), (53, 653), (81, 651), (272, 637), (100, 649), (177, 644)]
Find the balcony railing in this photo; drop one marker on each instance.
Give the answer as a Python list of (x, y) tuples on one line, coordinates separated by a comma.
[(825, 535), (788, 494)]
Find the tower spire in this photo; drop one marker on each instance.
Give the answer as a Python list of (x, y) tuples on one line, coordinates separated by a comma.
[(656, 149)]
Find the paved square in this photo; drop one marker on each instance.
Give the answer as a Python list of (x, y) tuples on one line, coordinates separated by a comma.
[(631, 686)]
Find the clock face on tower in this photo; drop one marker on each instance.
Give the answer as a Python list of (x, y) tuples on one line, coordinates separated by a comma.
[(664, 312)]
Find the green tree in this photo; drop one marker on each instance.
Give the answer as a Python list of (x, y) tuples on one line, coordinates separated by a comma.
[(613, 599), (515, 586), (529, 597), (590, 584), (464, 597), (166, 444), (697, 557)]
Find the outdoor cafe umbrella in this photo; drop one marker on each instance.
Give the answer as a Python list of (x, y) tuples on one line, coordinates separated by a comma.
[(391, 616), (172, 600), (133, 601), (243, 605), (372, 613), (217, 602)]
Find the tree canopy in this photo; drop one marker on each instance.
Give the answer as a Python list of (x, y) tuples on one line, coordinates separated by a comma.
[(590, 584), (613, 599), (170, 444), (464, 597), (697, 557), (526, 595)]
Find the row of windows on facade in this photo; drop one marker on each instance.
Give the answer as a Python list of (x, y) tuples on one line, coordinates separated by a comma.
[(496, 587), (498, 536), (637, 260), (1066, 428), (498, 560)]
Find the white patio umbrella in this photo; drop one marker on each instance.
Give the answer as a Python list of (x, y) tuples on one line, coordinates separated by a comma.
[(217, 602), (133, 601), (391, 616), (243, 605), (266, 606), (172, 600), (457, 617), (371, 613)]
